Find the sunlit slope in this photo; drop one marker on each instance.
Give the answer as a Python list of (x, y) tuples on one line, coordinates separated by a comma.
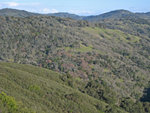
[(40, 90)]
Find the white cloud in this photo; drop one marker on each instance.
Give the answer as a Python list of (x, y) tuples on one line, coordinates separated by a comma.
[(54, 11), (12, 4), (78, 12), (16, 4), (46, 10)]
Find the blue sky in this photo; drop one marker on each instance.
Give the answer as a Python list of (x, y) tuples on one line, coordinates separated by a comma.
[(80, 7)]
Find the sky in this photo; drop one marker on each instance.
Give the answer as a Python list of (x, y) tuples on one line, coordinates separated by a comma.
[(79, 7)]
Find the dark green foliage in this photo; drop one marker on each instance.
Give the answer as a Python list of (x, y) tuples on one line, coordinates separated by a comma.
[(134, 107), (146, 95), (99, 90)]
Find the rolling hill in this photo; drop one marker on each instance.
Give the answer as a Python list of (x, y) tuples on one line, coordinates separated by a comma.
[(95, 18), (110, 15), (106, 61), (16, 13)]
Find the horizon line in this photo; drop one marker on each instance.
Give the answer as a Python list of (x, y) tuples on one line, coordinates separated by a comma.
[(73, 13)]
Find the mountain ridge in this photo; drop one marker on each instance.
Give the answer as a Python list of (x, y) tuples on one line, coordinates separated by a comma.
[(115, 13), (16, 13)]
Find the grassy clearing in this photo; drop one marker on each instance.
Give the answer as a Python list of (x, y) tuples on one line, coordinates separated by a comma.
[(111, 34), (82, 49)]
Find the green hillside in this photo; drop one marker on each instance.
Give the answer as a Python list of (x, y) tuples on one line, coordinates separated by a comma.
[(78, 48), (25, 89)]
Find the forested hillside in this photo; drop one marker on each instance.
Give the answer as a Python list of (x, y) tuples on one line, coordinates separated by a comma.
[(29, 89), (105, 63)]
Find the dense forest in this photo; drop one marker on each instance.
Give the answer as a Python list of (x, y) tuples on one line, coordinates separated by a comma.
[(68, 63)]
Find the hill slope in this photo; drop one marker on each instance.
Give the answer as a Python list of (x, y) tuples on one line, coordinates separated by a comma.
[(16, 13), (42, 91), (75, 47)]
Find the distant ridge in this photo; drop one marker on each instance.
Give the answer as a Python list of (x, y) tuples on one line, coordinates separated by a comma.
[(112, 14), (16, 13), (144, 15), (66, 15)]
